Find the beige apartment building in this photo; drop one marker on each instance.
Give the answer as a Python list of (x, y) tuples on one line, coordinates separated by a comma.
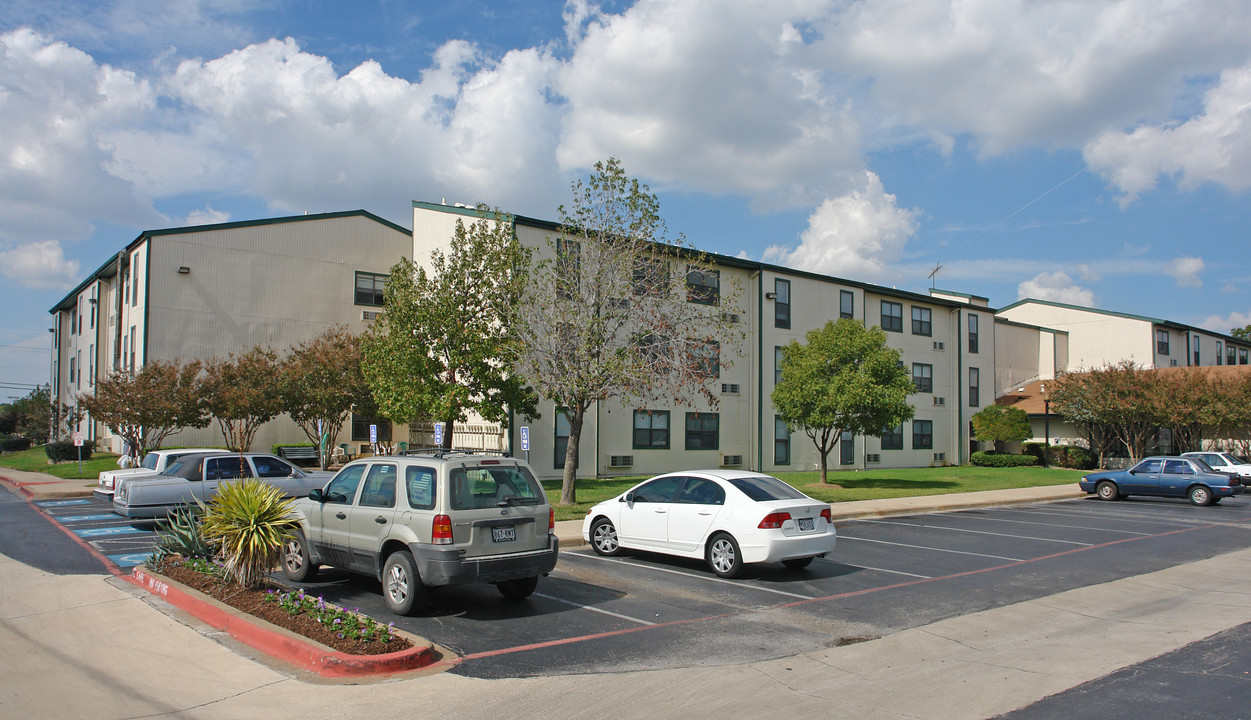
[(946, 340), (206, 291)]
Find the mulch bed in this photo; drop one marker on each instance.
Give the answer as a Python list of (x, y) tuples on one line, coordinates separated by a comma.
[(253, 602)]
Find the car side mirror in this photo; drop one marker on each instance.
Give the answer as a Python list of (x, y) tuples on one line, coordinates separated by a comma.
[(315, 495), (629, 497)]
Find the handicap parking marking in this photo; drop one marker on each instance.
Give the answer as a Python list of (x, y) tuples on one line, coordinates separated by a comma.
[(62, 503), (130, 560), (90, 518), (100, 532)]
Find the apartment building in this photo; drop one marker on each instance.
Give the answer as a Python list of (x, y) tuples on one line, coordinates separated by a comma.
[(206, 291), (946, 340)]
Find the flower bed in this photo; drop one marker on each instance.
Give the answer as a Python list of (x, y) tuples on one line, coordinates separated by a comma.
[(330, 625)]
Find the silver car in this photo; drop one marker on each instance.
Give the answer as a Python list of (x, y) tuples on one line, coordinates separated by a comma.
[(197, 477), (154, 463)]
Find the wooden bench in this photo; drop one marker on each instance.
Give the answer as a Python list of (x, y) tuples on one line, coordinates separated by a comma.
[(299, 454)]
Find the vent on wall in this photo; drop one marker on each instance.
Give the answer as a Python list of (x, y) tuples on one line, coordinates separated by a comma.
[(872, 458), (940, 457), (731, 461), (370, 315), (940, 401), (620, 461), (939, 346)]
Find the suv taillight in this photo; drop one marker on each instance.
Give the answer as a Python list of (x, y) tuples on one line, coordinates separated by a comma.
[(442, 531), (829, 516), (551, 521), (772, 521)]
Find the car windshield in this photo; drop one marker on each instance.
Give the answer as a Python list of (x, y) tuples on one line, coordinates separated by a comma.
[(762, 487), (149, 461), (1203, 467)]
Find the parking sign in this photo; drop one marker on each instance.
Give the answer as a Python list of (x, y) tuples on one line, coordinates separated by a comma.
[(525, 437), (373, 433), (438, 434)]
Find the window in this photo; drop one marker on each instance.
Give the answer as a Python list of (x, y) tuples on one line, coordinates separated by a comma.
[(370, 288), (846, 449), (704, 357), (1161, 342), (972, 333), (486, 487), (561, 446), (923, 377), (651, 429), (699, 491), (892, 316), (777, 364), (268, 466), (360, 428), (662, 490), (379, 490), (703, 286), (568, 267), (653, 350), (1220, 352), (651, 276), (74, 322), (892, 438), (134, 285), (921, 321), (846, 304), (71, 374), (1194, 349), (781, 442), (922, 434), (781, 303), (1230, 358), (91, 366), (226, 468), (132, 348), (420, 482), (701, 431), (93, 313), (975, 384), (1242, 356)]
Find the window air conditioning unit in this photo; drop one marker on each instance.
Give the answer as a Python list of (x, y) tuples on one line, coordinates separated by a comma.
[(1172, 363), (620, 461), (940, 457), (732, 317), (730, 388), (370, 315), (939, 346), (731, 461), (873, 458), (940, 401)]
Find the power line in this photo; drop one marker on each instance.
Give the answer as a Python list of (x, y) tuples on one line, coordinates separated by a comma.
[(24, 347)]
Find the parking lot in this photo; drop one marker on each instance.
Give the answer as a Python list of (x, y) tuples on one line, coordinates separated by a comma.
[(644, 611)]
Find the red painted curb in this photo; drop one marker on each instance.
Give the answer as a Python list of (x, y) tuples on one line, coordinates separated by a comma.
[(292, 649)]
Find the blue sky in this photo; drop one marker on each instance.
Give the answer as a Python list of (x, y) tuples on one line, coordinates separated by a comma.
[(1088, 151)]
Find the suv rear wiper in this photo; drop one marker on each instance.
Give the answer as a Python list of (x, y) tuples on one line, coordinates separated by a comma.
[(510, 500)]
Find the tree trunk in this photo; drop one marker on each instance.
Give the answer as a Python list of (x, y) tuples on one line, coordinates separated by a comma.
[(568, 489), (448, 424), (825, 465)]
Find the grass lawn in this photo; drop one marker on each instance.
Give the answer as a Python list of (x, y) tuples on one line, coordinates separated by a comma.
[(36, 460), (856, 484)]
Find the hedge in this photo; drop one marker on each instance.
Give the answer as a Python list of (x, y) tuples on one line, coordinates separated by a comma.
[(993, 459), (14, 444), (65, 451), (1065, 456)]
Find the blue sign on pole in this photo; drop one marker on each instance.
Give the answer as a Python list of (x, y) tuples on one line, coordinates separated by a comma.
[(438, 434), (525, 437), (373, 433)]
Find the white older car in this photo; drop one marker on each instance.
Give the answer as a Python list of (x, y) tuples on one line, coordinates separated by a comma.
[(154, 463), (728, 518), (1223, 462)]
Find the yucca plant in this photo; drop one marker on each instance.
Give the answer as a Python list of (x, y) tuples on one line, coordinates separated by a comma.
[(249, 521), (182, 536)]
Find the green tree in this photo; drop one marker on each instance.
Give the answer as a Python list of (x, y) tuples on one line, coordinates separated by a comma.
[(616, 311), (30, 416), (242, 395), (1001, 424), (844, 378), (321, 381), (145, 408), (1242, 333), (443, 345)]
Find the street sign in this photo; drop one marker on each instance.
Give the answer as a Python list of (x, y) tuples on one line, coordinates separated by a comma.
[(438, 434), (525, 437), (78, 439), (373, 433)]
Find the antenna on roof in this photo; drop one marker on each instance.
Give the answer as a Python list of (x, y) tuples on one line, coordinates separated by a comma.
[(934, 273)]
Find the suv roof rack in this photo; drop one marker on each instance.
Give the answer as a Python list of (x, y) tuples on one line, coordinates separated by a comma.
[(444, 452)]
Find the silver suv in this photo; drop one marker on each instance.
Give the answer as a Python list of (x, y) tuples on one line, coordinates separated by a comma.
[(426, 518)]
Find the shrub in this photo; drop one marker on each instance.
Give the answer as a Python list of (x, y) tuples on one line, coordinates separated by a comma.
[(65, 451), (991, 459), (182, 536), (1079, 458), (249, 520), (14, 444), (1035, 449)]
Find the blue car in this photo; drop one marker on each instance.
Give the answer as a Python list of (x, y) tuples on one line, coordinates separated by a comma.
[(1164, 477)]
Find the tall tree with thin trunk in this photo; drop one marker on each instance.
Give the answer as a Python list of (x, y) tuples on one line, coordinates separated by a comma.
[(616, 311), (242, 394), (843, 378), (145, 408), (444, 344), (321, 381)]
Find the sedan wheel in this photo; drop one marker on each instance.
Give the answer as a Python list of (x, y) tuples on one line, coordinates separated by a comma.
[(1107, 491), (295, 561), (401, 586), (1200, 495), (724, 557), (604, 538)]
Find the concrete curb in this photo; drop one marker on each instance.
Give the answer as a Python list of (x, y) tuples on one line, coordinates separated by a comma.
[(281, 643)]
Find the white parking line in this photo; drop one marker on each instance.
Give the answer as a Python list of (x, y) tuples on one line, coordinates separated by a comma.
[(878, 569), (708, 578), (980, 532), (594, 609), (842, 536), (1127, 515), (1046, 524)]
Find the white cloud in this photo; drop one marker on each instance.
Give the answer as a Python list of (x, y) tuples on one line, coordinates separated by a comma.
[(861, 234), (1056, 287), (207, 216), (1214, 146), (1185, 270), (1223, 324), (55, 101), (39, 265)]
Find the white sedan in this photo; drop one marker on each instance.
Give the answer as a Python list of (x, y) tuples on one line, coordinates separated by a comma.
[(729, 518), (1223, 462)]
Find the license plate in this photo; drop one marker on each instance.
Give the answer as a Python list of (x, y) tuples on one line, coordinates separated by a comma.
[(507, 533), (805, 524)]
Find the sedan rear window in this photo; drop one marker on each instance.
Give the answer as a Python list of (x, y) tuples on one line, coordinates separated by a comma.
[(762, 487)]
